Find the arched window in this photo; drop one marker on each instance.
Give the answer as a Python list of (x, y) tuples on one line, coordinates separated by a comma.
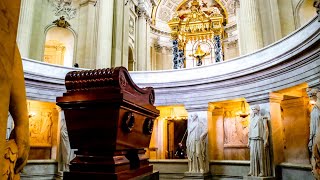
[(59, 46)]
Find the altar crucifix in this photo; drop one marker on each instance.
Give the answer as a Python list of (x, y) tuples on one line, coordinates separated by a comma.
[(199, 55)]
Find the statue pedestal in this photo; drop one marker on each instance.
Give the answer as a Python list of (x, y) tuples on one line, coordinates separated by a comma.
[(192, 175), (258, 178)]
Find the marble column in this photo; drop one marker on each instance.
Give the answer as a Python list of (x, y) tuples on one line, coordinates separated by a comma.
[(86, 53), (198, 119), (148, 49), (142, 41), (218, 48), (270, 16), (25, 27), (120, 34), (250, 30), (104, 37), (270, 108)]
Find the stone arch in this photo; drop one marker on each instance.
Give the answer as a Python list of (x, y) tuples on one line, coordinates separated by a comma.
[(66, 37), (304, 12)]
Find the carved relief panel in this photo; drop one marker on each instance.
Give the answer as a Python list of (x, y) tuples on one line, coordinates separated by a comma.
[(43, 122), (63, 8), (236, 130)]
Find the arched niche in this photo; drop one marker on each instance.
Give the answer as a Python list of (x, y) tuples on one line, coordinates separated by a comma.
[(59, 46), (304, 12)]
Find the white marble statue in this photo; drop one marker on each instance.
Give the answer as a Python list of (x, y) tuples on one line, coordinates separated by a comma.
[(314, 121), (259, 144), (315, 159), (65, 144), (10, 126), (196, 145)]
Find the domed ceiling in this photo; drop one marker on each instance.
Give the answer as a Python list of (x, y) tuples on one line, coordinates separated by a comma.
[(167, 8)]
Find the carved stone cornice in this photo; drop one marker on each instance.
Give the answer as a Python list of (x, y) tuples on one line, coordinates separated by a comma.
[(154, 30), (251, 77), (142, 13), (230, 27), (159, 48), (275, 97), (314, 83), (231, 43)]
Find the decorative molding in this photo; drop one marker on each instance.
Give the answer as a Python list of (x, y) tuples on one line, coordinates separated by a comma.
[(61, 22), (159, 48), (231, 44), (289, 62), (230, 27), (157, 31), (131, 26), (275, 97), (63, 8)]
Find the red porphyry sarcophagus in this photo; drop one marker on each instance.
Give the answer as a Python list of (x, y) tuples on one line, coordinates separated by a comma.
[(109, 120)]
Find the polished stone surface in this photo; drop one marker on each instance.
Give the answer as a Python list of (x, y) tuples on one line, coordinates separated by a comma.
[(191, 175), (151, 176), (258, 178), (40, 169)]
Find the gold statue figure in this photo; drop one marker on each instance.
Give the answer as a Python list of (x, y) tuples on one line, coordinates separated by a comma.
[(199, 55), (13, 153)]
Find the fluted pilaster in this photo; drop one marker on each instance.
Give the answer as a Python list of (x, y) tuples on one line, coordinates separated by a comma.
[(250, 29), (25, 27)]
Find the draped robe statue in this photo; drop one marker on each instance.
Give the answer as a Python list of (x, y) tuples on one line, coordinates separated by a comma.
[(314, 140), (196, 145), (13, 153), (259, 145), (314, 122)]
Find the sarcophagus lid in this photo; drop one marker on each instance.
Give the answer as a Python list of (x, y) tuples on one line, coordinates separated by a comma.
[(106, 111)]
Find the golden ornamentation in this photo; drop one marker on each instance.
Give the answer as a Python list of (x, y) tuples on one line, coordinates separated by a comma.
[(61, 22), (195, 24), (199, 55)]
